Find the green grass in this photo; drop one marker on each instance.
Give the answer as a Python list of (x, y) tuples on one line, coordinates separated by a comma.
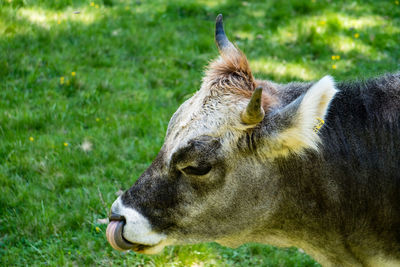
[(135, 63)]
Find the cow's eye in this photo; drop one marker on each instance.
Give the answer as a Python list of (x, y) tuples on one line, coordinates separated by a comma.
[(200, 170)]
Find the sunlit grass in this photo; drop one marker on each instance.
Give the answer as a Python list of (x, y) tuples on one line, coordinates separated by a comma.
[(212, 3), (244, 35), (276, 68), (46, 18), (360, 23), (338, 31)]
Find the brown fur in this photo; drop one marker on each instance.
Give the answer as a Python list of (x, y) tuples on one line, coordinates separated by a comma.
[(269, 97), (231, 73)]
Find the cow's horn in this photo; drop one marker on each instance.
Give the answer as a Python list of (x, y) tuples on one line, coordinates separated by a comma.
[(222, 41), (254, 113)]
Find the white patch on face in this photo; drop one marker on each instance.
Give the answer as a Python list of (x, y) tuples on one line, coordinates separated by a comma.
[(206, 113), (137, 228)]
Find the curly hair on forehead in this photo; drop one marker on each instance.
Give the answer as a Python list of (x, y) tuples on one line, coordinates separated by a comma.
[(231, 73)]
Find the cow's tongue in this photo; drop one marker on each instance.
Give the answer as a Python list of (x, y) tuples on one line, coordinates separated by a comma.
[(115, 238)]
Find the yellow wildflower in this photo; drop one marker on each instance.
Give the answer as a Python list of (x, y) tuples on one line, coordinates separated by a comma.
[(73, 74), (58, 21), (91, 3), (31, 139), (97, 229), (322, 22), (337, 57), (66, 144), (333, 57), (334, 67), (356, 35), (62, 79)]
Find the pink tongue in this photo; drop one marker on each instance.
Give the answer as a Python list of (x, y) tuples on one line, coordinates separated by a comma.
[(114, 236)]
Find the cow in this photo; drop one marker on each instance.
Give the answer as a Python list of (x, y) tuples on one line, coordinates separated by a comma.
[(314, 165)]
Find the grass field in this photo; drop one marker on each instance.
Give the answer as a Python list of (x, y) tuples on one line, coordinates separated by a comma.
[(87, 89)]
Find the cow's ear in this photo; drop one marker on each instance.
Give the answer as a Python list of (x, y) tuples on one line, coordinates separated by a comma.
[(296, 126)]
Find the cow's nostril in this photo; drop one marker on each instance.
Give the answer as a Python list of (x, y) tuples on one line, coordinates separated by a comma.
[(116, 217)]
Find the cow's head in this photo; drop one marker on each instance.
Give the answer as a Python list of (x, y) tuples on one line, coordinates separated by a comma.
[(214, 177)]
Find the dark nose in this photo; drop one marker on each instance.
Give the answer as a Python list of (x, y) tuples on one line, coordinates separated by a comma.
[(116, 217)]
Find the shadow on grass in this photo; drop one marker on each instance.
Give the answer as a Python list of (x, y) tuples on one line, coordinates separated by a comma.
[(263, 30)]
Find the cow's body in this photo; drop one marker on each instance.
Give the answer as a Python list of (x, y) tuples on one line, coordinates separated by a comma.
[(252, 161), (342, 204)]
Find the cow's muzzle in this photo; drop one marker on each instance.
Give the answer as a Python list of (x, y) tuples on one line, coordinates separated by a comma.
[(115, 237)]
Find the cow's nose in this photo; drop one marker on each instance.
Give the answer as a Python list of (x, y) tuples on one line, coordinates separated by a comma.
[(116, 217)]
